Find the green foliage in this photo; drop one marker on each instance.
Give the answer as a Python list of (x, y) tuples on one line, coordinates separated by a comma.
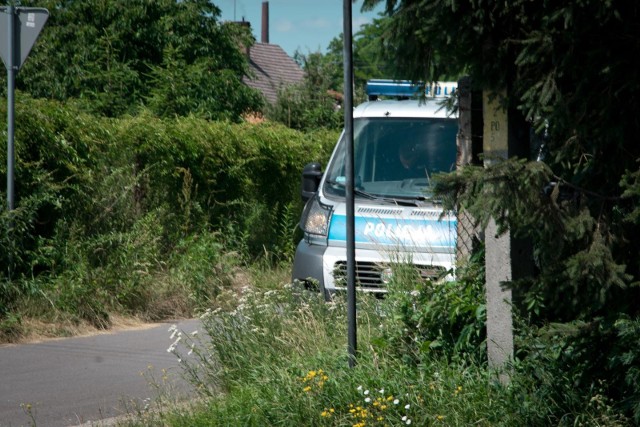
[(114, 56), (557, 77), (316, 102), (109, 212), (580, 278), (430, 317), (559, 380), (179, 89), (371, 55), (277, 356), (306, 107)]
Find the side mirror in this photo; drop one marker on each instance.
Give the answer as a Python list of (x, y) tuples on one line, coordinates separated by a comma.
[(311, 176)]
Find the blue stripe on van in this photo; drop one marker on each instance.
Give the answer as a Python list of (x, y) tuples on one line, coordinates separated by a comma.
[(396, 232)]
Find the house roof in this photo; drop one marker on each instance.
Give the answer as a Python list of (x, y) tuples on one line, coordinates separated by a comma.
[(271, 68)]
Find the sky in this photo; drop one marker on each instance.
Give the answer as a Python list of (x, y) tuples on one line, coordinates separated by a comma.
[(304, 25)]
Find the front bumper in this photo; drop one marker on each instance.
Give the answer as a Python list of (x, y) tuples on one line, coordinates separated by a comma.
[(307, 264)]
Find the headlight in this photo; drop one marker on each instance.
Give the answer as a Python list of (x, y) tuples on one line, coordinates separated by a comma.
[(315, 218)]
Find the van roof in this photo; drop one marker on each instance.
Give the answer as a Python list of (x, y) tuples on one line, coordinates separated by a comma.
[(428, 108)]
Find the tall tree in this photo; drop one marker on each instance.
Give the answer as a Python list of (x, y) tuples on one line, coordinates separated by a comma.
[(112, 55), (568, 68)]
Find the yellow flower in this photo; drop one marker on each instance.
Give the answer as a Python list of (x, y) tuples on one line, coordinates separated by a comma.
[(306, 389), (440, 417)]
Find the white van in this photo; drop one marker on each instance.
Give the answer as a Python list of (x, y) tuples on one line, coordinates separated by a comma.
[(398, 146)]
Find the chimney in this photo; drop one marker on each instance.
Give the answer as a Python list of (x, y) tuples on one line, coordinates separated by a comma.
[(265, 22)]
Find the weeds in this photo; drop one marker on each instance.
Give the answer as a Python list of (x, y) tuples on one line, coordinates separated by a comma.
[(277, 356)]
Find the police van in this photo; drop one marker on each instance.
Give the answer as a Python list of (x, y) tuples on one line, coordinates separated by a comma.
[(399, 144)]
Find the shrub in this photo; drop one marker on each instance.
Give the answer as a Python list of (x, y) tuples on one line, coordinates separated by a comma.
[(103, 204), (443, 317)]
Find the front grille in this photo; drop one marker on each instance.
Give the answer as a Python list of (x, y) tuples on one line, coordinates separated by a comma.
[(369, 275)]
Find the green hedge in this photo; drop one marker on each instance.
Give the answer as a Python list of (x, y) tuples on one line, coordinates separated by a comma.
[(120, 196)]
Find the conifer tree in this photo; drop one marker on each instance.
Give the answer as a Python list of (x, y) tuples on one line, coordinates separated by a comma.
[(569, 68)]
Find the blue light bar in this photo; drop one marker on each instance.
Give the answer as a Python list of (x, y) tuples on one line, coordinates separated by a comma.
[(405, 88)]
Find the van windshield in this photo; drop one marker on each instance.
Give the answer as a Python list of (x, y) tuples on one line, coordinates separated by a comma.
[(395, 157)]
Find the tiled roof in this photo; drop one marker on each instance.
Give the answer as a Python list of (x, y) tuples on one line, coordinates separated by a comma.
[(271, 68)]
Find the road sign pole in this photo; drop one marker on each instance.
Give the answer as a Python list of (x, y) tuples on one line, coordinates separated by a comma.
[(11, 76), (23, 27)]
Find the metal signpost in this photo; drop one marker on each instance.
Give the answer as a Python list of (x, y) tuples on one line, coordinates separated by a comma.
[(23, 25), (348, 133)]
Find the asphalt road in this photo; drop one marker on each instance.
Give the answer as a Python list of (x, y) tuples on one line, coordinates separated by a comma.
[(68, 382)]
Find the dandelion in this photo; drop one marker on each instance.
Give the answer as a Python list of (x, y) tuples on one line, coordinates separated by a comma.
[(306, 389), (440, 417)]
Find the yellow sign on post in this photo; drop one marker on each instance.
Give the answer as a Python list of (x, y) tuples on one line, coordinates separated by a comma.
[(496, 127)]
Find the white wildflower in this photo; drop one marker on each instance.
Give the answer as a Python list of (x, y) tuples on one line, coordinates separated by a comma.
[(174, 330)]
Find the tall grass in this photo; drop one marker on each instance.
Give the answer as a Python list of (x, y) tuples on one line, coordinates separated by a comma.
[(278, 356)]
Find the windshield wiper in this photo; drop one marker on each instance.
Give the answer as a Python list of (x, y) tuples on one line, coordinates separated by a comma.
[(356, 192), (400, 201)]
